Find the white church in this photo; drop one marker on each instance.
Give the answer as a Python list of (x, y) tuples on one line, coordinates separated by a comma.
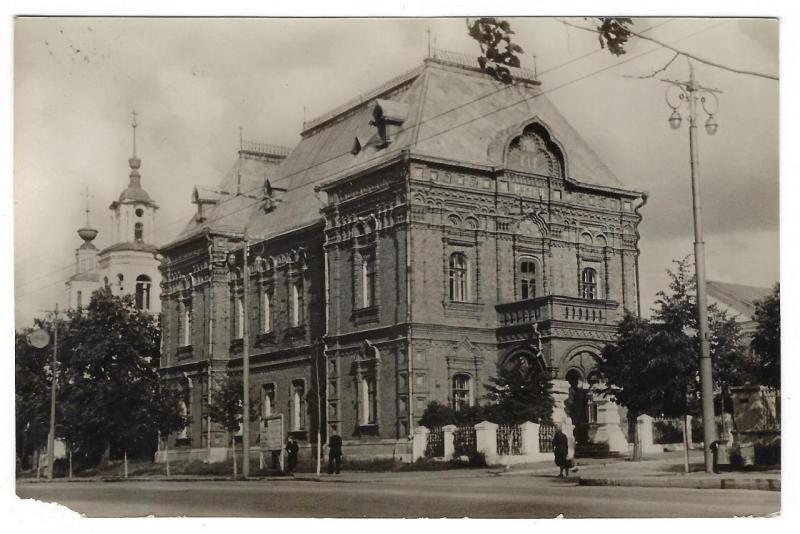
[(129, 264)]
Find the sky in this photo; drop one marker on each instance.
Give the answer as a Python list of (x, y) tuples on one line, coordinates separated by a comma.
[(194, 82)]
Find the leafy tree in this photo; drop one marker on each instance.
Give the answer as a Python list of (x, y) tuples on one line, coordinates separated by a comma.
[(766, 342), (519, 394), (226, 409), (437, 414), (165, 414), (109, 352), (32, 383), (498, 53)]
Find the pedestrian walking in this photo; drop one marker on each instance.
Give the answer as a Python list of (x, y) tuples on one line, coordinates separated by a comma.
[(561, 451), (334, 453), (291, 455)]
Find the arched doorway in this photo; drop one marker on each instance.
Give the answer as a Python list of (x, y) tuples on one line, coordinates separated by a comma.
[(582, 377)]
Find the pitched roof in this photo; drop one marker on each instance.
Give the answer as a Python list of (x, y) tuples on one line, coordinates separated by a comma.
[(449, 110), (738, 297)]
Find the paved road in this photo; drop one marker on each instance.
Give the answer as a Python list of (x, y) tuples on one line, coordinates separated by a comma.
[(492, 496)]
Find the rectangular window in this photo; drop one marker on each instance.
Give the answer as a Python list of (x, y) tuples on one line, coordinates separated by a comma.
[(80, 299), (462, 392)]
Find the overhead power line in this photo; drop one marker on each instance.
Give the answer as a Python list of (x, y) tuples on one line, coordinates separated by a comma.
[(430, 136)]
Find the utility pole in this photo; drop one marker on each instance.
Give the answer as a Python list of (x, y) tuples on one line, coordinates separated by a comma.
[(51, 436), (246, 362), (692, 92)]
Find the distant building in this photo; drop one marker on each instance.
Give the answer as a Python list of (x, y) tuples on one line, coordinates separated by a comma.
[(128, 265), (414, 239), (739, 301)]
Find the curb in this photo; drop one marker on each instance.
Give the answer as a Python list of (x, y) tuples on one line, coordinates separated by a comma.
[(765, 484)]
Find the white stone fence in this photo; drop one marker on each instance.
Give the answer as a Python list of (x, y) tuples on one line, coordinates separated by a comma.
[(525, 451), (526, 442)]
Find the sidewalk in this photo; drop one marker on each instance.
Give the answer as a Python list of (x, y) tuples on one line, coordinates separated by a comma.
[(667, 471)]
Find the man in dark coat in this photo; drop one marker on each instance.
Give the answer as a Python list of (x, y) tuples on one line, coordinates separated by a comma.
[(334, 453), (560, 451), (291, 455)]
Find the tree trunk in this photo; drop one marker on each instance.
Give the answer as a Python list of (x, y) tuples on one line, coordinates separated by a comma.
[(166, 455), (233, 445), (37, 461), (637, 441), (125, 463), (686, 443), (70, 464), (105, 458)]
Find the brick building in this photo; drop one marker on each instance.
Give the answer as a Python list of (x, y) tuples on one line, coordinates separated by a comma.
[(414, 239)]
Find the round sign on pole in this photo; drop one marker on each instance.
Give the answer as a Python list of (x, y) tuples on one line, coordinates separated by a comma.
[(39, 338)]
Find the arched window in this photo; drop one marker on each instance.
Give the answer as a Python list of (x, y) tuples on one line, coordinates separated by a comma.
[(459, 274), (589, 284), (367, 280), (80, 298), (186, 324), (184, 433), (120, 278), (296, 304), (238, 319), (298, 404), (462, 391), (368, 401), (143, 284), (266, 312), (138, 231), (527, 279), (267, 400)]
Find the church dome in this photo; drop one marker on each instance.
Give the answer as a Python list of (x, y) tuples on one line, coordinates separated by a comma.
[(135, 193)]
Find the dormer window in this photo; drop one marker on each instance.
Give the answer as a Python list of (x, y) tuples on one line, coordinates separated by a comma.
[(387, 117)]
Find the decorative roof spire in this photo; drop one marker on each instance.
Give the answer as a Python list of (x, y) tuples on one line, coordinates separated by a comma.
[(134, 161)]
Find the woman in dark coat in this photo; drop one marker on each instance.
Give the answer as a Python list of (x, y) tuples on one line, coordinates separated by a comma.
[(291, 453), (560, 451)]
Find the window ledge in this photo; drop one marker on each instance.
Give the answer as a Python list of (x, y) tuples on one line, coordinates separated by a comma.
[(370, 429), (366, 315), (462, 309), (296, 331), (184, 352), (298, 434), (265, 338)]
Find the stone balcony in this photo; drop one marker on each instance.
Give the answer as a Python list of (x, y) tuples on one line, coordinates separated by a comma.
[(558, 308)]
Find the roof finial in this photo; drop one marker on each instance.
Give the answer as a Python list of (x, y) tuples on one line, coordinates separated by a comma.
[(241, 138), (87, 196), (134, 162), (535, 70), (134, 124), (428, 31), (87, 233)]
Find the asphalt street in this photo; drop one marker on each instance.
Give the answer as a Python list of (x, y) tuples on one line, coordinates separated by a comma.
[(428, 496)]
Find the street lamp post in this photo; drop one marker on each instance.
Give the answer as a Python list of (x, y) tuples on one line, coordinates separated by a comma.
[(691, 92), (246, 362)]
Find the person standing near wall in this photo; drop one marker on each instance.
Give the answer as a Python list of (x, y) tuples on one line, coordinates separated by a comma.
[(291, 455), (560, 451), (334, 453)]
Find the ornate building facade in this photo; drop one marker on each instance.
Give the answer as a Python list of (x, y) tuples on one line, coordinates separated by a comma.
[(414, 240), (128, 265)]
